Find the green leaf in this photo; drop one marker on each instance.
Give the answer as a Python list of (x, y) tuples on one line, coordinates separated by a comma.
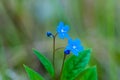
[(32, 74), (75, 65), (89, 74), (46, 63)]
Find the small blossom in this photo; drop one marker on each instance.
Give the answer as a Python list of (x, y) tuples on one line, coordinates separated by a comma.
[(74, 46), (67, 52), (62, 30), (49, 34)]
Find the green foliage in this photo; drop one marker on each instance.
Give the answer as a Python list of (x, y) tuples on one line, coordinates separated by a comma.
[(32, 74), (75, 65), (46, 63), (88, 74)]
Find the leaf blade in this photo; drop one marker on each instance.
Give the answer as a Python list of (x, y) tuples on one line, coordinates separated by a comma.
[(75, 65), (89, 74), (33, 75), (46, 63)]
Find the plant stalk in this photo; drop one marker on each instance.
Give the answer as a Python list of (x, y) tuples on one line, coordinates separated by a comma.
[(62, 65), (54, 53)]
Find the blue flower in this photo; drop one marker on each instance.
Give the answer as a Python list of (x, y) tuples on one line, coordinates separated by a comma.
[(74, 46), (62, 30)]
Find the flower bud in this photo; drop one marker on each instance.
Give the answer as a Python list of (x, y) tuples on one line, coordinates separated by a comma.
[(67, 52), (49, 34)]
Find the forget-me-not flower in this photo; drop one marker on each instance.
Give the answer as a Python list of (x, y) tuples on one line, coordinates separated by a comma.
[(62, 30), (74, 46)]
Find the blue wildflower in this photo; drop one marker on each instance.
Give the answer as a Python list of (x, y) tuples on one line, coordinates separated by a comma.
[(62, 30), (49, 34), (74, 46)]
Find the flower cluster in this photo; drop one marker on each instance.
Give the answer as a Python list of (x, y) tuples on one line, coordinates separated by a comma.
[(73, 46)]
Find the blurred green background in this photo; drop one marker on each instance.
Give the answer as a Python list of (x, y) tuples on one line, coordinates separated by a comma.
[(24, 23)]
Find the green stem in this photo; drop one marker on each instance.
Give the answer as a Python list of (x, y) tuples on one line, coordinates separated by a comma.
[(54, 52), (63, 65), (59, 48), (54, 49)]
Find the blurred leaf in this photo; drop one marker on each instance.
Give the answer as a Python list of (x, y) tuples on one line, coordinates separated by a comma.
[(47, 64), (89, 74), (32, 74), (75, 65)]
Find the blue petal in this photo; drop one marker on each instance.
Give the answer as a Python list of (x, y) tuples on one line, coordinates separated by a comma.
[(67, 47), (61, 36), (77, 41), (66, 28), (75, 52), (58, 29), (80, 48), (70, 41), (61, 24)]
